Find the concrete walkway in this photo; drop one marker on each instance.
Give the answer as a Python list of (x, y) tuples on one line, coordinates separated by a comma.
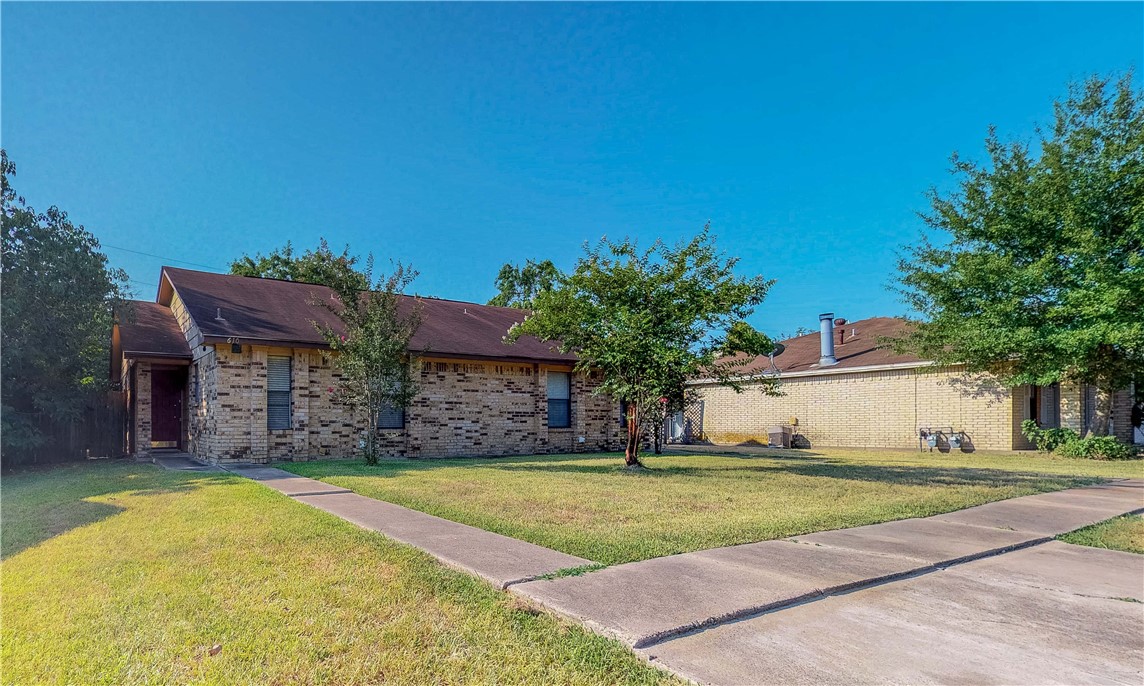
[(1048, 614), (644, 603), (500, 560), (983, 595)]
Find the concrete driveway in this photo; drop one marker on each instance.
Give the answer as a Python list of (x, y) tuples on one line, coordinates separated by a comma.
[(1050, 614)]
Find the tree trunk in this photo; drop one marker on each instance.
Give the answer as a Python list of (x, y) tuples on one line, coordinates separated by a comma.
[(632, 448), (1103, 410)]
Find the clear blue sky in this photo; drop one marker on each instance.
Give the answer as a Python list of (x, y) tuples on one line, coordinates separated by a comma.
[(458, 137)]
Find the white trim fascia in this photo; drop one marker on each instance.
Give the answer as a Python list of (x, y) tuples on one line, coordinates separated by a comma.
[(826, 371)]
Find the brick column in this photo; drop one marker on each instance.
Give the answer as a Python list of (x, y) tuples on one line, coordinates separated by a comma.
[(300, 397), (540, 391), (1122, 415), (142, 402), (1072, 406), (256, 396)]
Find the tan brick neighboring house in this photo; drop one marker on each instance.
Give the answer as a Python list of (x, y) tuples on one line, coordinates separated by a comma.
[(231, 368), (842, 387)]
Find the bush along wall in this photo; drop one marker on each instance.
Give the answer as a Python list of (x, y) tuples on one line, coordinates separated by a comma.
[(1068, 443)]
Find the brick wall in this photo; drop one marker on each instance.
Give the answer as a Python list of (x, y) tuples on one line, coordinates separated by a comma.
[(1072, 406), (1077, 410), (869, 409), (1122, 415), (463, 408), (142, 404)]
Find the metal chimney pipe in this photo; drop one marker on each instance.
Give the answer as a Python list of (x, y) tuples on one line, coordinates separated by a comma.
[(826, 338)]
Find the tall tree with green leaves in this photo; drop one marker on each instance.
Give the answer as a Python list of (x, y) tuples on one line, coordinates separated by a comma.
[(519, 286), (1036, 272), (373, 347), (649, 320), (320, 265), (59, 296)]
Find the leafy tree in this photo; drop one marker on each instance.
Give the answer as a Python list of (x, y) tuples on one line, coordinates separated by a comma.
[(55, 321), (649, 320), (1041, 278), (321, 265), (377, 368), (519, 286)]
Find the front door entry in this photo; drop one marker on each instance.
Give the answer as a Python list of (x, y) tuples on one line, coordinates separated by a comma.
[(167, 406)]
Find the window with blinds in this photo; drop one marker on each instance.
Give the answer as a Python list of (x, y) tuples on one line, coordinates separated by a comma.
[(277, 392), (559, 400), (391, 418)]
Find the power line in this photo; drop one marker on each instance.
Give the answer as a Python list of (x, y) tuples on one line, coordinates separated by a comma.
[(161, 257)]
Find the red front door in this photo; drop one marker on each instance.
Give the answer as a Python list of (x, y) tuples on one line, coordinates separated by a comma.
[(167, 406)]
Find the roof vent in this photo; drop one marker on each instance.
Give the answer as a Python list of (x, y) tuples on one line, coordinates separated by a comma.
[(826, 339), (219, 317)]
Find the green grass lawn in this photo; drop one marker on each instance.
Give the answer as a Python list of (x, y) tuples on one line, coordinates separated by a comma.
[(126, 574), (587, 505), (1120, 533)]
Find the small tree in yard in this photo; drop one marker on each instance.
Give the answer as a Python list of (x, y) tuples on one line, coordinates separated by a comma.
[(377, 367), (1042, 279), (649, 320)]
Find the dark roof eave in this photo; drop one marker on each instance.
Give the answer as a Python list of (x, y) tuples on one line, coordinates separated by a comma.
[(151, 353), (221, 338), (491, 358), (556, 358)]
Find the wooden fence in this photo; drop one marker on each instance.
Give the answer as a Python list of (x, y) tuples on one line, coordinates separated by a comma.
[(100, 431)]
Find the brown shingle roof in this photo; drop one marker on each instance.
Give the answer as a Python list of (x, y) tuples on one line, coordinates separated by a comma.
[(271, 310), (862, 348), (149, 330)]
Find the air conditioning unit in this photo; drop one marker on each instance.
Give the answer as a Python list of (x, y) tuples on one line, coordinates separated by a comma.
[(779, 436)]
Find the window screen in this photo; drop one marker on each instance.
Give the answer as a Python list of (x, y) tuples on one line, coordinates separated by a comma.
[(391, 418), (559, 400), (277, 392)]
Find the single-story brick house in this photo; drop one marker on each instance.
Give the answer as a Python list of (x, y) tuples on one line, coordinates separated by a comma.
[(843, 387), (231, 368)]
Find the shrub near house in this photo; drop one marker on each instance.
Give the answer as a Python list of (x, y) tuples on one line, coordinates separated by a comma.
[(1068, 443)]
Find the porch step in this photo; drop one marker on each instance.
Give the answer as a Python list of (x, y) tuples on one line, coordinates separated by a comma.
[(180, 461)]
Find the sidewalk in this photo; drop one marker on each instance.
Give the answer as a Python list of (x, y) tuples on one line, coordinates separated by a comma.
[(981, 595), (1048, 614), (643, 603), (500, 560)]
